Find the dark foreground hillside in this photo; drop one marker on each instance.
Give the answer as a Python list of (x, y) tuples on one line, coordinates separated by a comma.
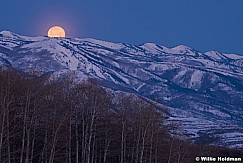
[(43, 121)]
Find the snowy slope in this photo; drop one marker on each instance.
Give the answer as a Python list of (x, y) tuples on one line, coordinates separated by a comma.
[(204, 91)]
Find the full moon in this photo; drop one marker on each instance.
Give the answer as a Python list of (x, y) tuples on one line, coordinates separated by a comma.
[(56, 31)]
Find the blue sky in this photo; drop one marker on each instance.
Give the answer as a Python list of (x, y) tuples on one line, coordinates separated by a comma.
[(201, 24)]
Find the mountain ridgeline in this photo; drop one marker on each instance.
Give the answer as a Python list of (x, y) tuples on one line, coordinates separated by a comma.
[(203, 92)]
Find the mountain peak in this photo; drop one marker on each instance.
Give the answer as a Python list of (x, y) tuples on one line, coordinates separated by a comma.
[(149, 44), (182, 48), (8, 34)]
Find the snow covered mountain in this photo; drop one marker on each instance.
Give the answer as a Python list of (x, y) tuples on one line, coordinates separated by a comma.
[(203, 91)]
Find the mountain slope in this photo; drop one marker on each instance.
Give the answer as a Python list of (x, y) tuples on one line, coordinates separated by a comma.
[(204, 91)]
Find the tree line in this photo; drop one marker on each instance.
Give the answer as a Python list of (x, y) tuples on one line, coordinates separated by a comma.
[(62, 121)]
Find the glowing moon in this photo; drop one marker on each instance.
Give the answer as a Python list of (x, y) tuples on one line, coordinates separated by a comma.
[(56, 31)]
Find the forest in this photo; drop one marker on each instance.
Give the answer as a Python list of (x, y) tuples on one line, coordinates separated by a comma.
[(45, 120)]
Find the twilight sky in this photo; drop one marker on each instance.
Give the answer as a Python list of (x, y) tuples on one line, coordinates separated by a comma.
[(201, 24)]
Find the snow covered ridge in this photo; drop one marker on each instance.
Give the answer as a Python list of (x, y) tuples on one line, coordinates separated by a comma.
[(203, 91)]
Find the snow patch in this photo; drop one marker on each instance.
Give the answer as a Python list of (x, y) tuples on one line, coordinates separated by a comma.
[(233, 56), (196, 79), (110, 45)]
